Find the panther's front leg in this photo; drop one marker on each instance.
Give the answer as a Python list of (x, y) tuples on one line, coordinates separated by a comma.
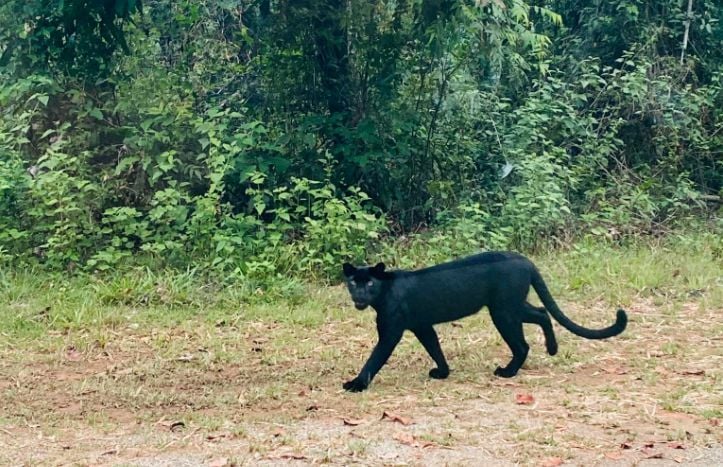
[(388, 340)]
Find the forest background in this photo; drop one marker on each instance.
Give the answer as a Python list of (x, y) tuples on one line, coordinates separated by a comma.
[(257, 140), (180, 181)]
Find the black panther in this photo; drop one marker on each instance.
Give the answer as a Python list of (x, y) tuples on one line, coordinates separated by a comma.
[(417, 300)]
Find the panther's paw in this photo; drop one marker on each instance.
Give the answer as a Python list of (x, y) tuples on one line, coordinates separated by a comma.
[(437, 373), (505, 372), (355, 385)]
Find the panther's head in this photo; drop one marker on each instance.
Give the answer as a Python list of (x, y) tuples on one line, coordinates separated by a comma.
[(365, 283)]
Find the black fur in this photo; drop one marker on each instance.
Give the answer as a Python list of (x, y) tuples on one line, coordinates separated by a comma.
[(417, 300)]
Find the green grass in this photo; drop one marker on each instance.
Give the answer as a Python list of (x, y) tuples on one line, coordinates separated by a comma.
[(34, 302), (667, 272)]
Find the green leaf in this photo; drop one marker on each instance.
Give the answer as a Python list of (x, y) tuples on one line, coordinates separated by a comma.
[(96, 113), (146, 124), (46, 133)]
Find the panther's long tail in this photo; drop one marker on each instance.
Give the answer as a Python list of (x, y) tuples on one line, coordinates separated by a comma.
[(541, 288)]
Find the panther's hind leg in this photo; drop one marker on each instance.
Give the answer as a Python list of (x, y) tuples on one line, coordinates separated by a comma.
[(510, 327), (538, 315), (428, 337)]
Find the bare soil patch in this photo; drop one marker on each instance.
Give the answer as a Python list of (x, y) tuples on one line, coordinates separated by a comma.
[(266, 393)]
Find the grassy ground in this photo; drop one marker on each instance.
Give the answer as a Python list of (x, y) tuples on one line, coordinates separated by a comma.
[(166, 369)]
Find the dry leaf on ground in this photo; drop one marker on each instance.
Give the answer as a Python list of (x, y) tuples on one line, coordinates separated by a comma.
[(397, 418), (404, 438), (551, 462), (220, 462), (353, 421), (524, 399)]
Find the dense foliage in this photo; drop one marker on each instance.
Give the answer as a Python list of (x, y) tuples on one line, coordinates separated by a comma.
[(266, 137)]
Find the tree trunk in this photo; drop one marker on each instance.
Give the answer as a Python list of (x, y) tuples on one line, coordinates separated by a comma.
[(688, 16)]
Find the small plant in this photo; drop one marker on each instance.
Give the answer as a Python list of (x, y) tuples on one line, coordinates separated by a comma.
[(313, 225)]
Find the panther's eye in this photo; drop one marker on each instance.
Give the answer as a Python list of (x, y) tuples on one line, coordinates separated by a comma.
[(370, 283)]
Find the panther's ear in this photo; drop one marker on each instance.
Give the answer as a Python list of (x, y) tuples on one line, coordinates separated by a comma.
[(378, 270), (349, 270)]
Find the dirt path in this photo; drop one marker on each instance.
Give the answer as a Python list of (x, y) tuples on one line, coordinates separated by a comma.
[(467, 435), (264, 393)]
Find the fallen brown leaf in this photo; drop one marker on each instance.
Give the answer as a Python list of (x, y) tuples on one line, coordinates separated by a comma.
[(411, 440), (220, 462), (397, 418), (404, 438), (693, 372), (353, 421), (616, 456), (657, 455), (675, 445), (218, 436), (524, 399), (551, 462)]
